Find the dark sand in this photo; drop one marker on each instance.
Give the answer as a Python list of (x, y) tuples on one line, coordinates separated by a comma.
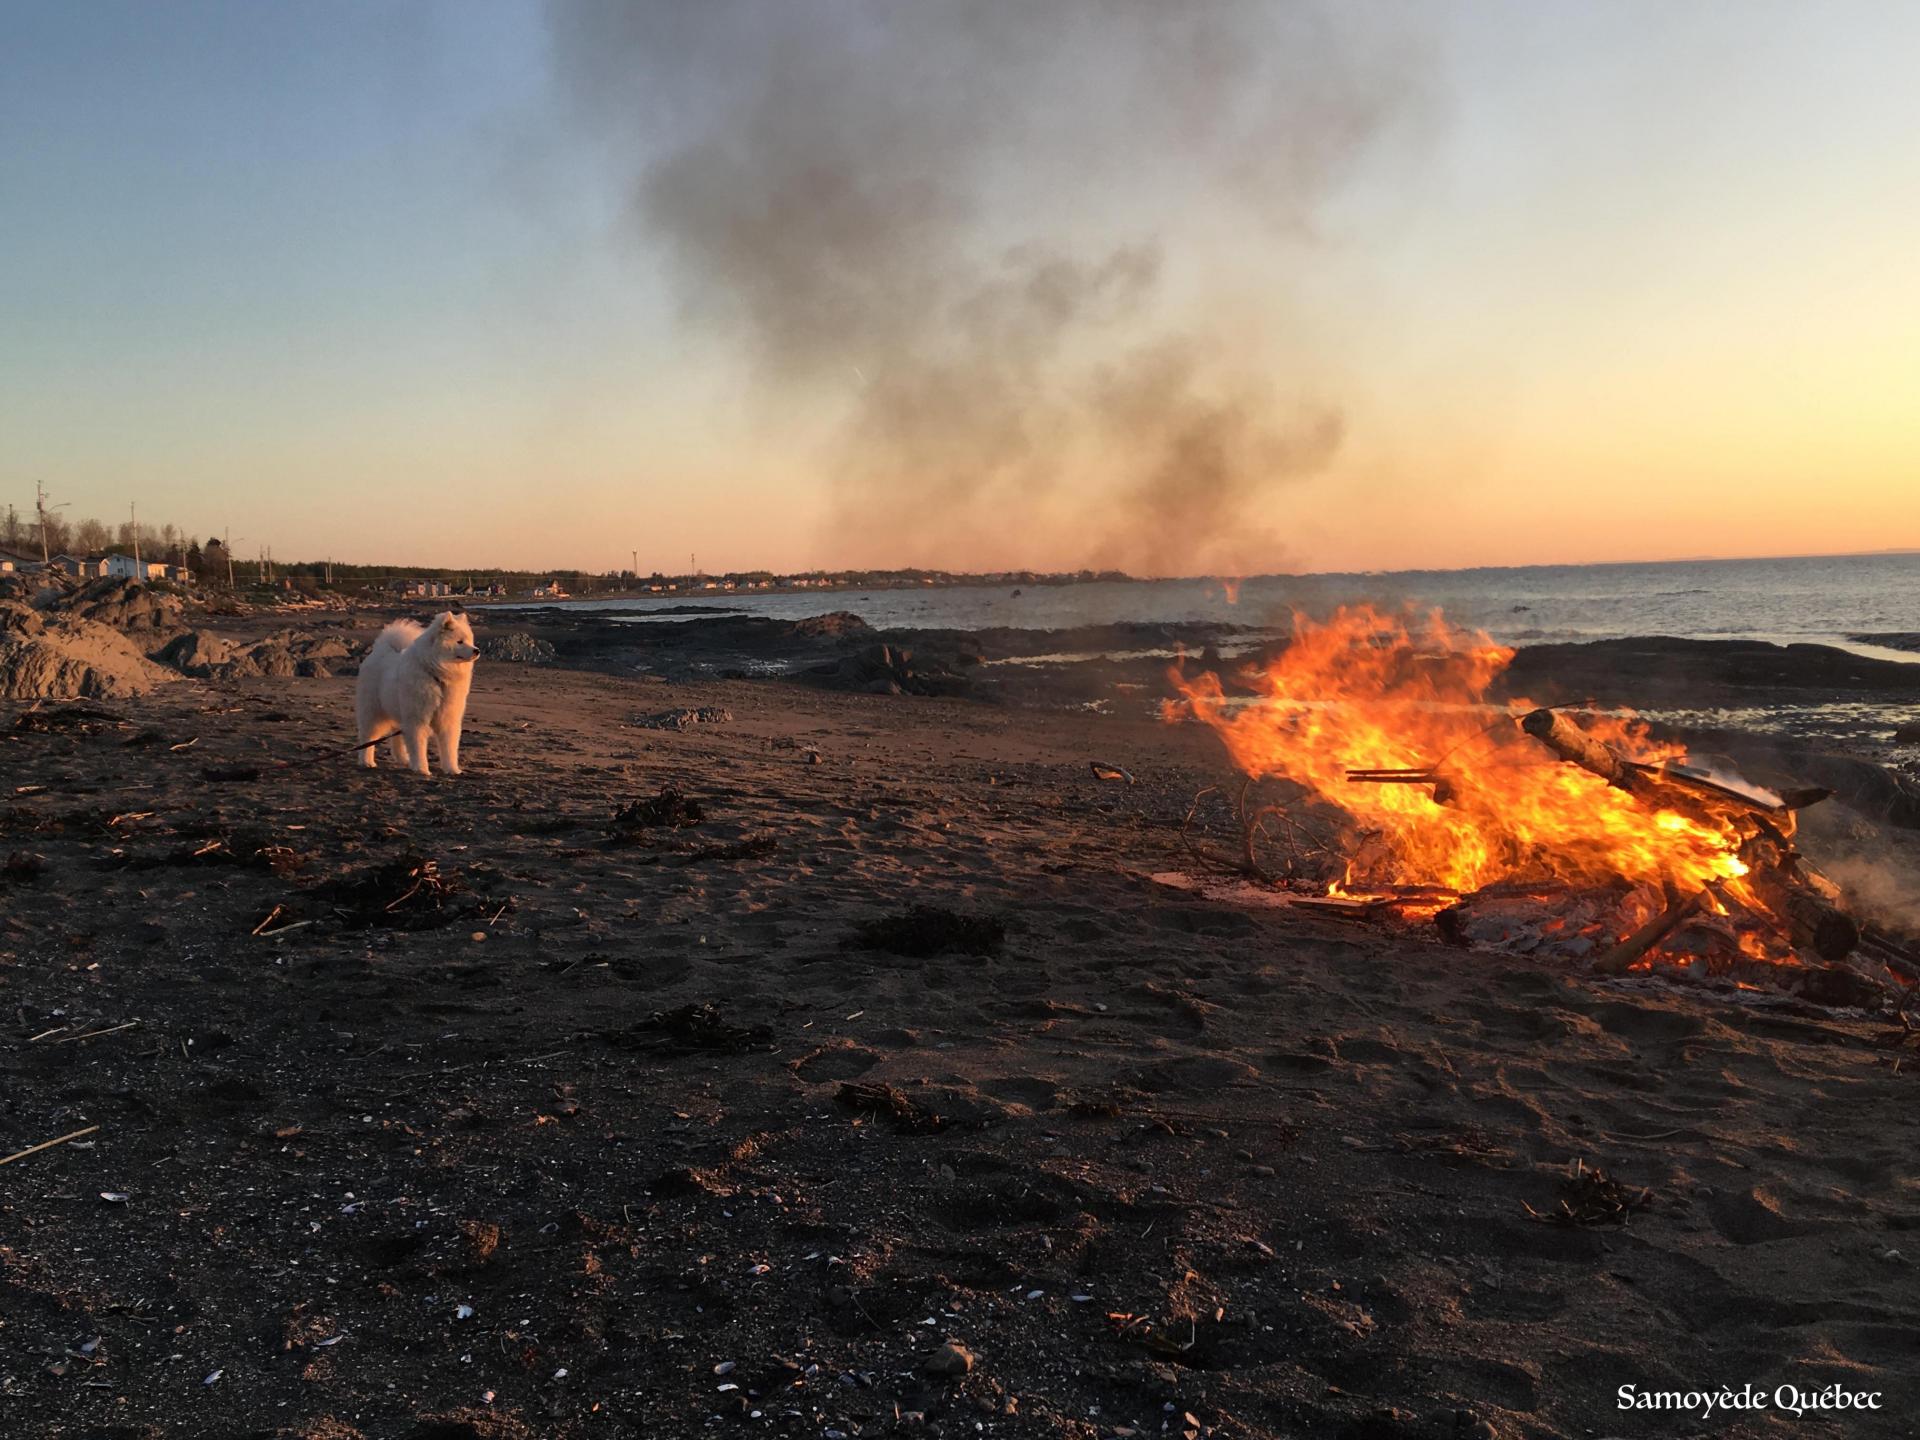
[(1162, 1166)]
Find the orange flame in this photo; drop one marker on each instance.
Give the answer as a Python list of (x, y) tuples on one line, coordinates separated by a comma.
[(1369, 690)]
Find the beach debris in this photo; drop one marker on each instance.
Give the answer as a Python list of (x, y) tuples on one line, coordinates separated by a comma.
[(684, 718), (1590, 1196), (670, 809), (923, 931), (695, 1028), (47, 1145), (876, 1099), (1111, 773), (409, 893), (1184, 1342)]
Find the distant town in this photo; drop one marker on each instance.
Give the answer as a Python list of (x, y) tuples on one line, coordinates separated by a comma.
[(46, 542)]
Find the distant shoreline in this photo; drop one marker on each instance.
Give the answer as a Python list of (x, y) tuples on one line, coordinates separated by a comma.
[(991, 580)]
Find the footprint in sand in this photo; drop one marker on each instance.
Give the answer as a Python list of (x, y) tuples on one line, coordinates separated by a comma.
[(837, 1060)]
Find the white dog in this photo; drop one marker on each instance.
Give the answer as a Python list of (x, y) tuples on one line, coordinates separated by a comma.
[(413, 684)]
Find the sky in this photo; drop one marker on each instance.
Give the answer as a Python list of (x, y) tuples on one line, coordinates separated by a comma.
[(826, 283)]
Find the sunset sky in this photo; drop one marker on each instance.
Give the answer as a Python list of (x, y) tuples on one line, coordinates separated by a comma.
[(1417, 286)]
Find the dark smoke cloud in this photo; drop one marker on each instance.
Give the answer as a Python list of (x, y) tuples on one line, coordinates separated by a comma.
[(973, 226)]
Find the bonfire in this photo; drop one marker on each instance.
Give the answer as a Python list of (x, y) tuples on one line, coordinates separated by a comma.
[(1381, 774)]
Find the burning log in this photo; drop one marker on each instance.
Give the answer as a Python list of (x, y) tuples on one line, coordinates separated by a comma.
[(1571, 743), (1669, 786), (1800, 896), (1620, 958)]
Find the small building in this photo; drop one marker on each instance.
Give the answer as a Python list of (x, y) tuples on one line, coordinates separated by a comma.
[(125, 567), (552, 590)]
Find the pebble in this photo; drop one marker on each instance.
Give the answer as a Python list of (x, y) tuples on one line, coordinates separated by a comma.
[(952, 1358)]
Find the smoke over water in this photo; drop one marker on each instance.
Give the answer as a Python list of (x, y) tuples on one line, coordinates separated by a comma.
[(1030, 255)]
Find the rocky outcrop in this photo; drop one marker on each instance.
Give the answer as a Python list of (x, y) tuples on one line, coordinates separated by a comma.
[(518, 648), (72, 660), (17, 619), (206, 656), (125, 605), (199, 653), (835, 625)]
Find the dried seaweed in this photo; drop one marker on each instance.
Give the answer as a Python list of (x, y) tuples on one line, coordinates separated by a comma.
[(1590, 1196), (670, 809), (873, 1098)]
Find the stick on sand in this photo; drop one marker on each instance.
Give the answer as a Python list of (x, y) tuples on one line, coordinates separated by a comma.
[(46, 1145)]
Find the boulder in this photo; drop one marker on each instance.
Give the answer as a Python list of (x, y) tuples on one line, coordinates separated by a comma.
[(199, 653), (832, 626)]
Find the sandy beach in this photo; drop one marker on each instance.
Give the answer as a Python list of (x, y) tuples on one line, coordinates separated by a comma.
[(860, 1084)]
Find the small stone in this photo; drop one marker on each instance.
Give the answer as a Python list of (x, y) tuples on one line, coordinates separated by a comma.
[(952, 1358)]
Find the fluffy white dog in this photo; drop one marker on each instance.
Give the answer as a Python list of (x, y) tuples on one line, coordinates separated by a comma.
[(413, 684)]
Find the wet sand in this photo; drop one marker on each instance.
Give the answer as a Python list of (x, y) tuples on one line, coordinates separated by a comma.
[(458, 1153)]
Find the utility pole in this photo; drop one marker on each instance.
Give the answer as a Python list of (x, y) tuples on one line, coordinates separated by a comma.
[(226, 545), (40, 507)]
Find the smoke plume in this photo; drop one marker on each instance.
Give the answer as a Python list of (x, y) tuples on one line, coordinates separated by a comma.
[(997, 239)]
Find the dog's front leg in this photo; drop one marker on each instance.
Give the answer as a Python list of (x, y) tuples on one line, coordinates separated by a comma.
[(449, 738), (417, 750)]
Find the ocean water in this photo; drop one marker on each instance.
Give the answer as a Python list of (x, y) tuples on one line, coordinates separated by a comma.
[(1822, 599)]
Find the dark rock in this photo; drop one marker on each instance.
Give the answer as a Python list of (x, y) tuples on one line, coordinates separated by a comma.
[(951, 1359)]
